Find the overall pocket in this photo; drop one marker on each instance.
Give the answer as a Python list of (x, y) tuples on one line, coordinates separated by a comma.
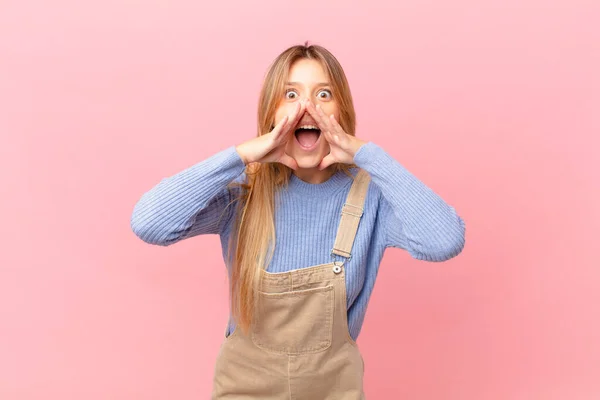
[(294, 322)]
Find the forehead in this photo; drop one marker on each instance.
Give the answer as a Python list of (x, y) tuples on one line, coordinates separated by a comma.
[(307, 72)]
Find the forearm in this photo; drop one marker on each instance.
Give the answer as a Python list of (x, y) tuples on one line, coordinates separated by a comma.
[(169, 209), (429, 227)]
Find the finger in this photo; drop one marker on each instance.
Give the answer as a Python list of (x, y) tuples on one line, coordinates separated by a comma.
[(339, 135), (282, 126), (337, 128), (326, 162), (330, 133), (288, 161), (298, 114), (325, 119), (310, 107), (285, 128), (318, 119), (279, 126), (293, 119)]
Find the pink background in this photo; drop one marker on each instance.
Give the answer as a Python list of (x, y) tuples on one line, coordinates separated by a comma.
[(494, 105)]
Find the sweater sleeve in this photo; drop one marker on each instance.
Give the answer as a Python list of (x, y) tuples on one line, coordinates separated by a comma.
[(190, 203), (414, 217)]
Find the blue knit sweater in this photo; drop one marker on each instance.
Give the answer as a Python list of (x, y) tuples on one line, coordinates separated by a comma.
[(400, 211)]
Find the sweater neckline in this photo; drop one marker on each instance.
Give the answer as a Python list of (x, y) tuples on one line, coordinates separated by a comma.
[(336, 182)]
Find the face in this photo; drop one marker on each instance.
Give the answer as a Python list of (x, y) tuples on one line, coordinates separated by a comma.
[(307, 80)]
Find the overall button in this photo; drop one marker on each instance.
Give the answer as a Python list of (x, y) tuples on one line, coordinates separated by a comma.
[(337, 269)]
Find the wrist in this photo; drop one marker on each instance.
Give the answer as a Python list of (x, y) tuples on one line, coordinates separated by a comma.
[(356, 145), (241, 154)]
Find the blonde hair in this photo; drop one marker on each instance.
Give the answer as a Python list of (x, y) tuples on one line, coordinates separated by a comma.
[(252, 240)]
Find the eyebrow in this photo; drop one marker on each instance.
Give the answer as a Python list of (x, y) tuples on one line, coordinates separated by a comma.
[(300, 84)]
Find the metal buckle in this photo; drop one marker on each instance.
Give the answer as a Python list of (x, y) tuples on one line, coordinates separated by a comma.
[(343, 262)]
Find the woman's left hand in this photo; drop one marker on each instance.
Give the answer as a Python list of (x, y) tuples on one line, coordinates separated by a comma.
[(343, 146)]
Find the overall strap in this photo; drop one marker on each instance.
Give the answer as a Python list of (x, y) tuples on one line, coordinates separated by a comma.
[(351, 214)]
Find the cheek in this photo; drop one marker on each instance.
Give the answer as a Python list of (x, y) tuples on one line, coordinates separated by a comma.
[(282, 111), (331, 109)]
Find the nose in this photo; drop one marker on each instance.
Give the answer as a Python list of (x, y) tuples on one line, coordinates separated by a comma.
[(303, 101)]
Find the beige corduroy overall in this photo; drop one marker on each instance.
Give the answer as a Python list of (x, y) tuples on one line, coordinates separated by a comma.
[(299, 346)]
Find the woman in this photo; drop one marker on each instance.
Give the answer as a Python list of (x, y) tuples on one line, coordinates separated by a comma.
[(305, 212)]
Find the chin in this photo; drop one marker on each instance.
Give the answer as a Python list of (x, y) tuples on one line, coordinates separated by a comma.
[(309, 161)]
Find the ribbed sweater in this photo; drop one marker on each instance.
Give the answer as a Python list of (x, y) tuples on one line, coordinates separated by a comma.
[(400, 211)]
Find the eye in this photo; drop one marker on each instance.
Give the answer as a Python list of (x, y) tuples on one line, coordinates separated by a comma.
[(324, 94), (290, 94)]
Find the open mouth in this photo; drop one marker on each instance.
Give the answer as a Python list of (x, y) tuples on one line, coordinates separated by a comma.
[(307, 136)]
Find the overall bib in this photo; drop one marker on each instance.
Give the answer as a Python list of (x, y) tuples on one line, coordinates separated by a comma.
[(299, 346)]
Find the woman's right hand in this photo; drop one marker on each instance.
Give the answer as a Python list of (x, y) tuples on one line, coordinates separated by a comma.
[(270, 147)]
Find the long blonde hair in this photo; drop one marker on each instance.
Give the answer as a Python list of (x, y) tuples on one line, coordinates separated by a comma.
[(252, 240)]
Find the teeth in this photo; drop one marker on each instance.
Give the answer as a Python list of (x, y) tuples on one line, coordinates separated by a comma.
[(308, 127)]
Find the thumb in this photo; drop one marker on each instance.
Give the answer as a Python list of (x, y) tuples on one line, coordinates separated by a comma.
[(288, 161), (326, 162)]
